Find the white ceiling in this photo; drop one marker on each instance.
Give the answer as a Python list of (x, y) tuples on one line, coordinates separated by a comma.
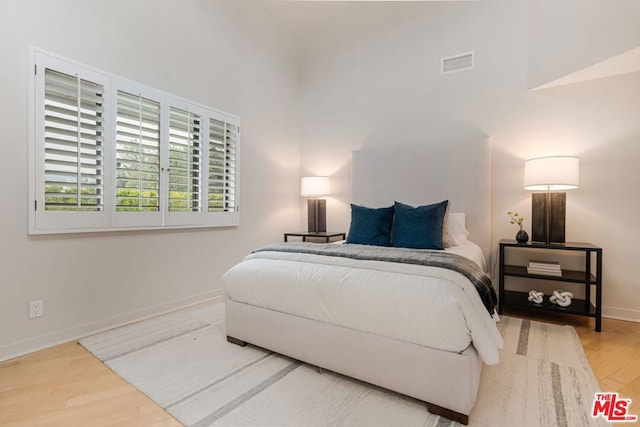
[(626, 62), (302, 17)]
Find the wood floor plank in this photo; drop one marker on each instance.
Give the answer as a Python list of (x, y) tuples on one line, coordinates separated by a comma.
[(614, 353), (66, 385)]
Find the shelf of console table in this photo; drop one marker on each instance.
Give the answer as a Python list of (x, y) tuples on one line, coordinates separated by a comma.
[(590, 277)]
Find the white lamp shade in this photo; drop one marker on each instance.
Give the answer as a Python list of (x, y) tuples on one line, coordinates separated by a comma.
[(313, 186), (551, 173)]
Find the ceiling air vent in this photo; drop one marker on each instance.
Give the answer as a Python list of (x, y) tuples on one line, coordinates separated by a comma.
[(460, 62)]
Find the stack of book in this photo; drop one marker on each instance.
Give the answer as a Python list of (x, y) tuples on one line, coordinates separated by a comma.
[(545, 268)]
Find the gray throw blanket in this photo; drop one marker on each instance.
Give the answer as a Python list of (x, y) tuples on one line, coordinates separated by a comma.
[(454, 262)]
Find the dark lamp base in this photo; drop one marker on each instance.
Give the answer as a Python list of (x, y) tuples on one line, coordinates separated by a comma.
[(317, 215), (548, 213)]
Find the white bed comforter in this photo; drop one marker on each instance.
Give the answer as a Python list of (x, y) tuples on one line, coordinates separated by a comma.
[(428, 306)]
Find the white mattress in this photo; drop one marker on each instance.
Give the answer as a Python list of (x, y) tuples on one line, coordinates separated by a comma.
[(428, 306)]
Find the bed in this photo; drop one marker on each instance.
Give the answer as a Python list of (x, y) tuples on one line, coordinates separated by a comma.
[(415, 321)]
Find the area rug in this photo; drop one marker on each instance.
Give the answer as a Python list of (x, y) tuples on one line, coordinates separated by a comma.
[(183, 362)]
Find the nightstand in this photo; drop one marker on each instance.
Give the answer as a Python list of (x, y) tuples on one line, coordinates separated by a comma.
[(328, 236), (585, 278)]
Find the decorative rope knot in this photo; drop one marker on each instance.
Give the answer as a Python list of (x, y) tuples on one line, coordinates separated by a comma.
[(562, 298), (535, 296)]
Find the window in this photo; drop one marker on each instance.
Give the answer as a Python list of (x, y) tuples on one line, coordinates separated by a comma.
[(185, 161), (137, 154), (222, 166), (73, 157), (112, 154)]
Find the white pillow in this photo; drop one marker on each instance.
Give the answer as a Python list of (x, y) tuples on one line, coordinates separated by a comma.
[(457, 232), (445, 226)]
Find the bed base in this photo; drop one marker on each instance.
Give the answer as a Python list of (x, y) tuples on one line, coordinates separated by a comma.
[(434, 409), (236, 341), (448, 382)]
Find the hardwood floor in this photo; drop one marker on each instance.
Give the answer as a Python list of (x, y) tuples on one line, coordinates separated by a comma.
[(66, 386), (614, 353)]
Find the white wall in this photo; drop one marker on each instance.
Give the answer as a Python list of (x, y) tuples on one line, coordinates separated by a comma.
[(369, 77), (225, 54), (373, 79), (568, 35)]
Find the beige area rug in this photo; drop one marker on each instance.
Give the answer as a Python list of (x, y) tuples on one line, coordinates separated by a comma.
[(184, 363)]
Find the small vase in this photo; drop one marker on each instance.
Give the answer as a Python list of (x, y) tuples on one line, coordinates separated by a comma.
[(522, 236)]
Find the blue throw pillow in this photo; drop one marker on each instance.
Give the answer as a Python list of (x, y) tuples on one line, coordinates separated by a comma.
[(419, 228), (370, 226)]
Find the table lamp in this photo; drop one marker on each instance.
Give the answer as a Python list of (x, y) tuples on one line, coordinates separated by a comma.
[(548, 210), (312, 187)]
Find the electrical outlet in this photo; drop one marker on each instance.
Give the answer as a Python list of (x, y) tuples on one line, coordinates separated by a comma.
[(36, 309)]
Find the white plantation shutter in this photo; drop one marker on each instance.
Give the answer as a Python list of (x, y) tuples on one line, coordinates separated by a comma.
[(73, 155), (223, 139), (70, 137), (137, 154), (201, 165), (112, 154), (185, 161)]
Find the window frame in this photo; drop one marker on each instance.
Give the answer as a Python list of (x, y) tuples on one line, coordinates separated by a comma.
[(43, 221)]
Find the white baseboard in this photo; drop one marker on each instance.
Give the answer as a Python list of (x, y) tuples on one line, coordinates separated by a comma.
[(29, 345), (22, 347), (621, 314)]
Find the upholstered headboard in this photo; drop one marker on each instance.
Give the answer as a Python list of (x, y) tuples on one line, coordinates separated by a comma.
[(459, 171)]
